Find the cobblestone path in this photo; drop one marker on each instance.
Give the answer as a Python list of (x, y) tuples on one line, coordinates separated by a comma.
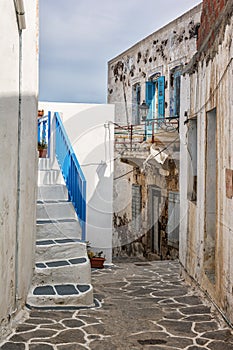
[(144, 305)]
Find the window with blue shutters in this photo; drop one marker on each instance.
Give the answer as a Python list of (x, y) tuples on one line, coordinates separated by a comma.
[(175, 92), (150, 98), (155, 98), (161, 99)]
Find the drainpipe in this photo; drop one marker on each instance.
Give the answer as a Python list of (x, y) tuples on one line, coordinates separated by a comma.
[(20, 13)]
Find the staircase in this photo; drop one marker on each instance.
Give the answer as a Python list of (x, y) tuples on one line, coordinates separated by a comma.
[(62, 277)]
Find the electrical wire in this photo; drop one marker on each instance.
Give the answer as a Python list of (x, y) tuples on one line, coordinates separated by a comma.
[(214, 91), (94, 164), (164, 149), (171, 143), (118, 177)]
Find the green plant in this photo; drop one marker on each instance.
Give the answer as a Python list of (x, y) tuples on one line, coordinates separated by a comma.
[(91, 254), (42, 144)]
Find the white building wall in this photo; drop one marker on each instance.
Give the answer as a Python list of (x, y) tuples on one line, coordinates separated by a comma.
[(183, 185), (91, 133), (18, 157), (28, 141)]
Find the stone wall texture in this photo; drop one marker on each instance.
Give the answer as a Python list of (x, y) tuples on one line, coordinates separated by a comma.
[(211, 11), (160, 53), (171, 46), (207, 256)]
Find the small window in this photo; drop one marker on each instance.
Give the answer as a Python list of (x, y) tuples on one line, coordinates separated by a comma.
[(136, 207), (173, 223), (175, 93)]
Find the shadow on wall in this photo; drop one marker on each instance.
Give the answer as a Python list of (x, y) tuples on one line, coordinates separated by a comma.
[(99, 207), (18, 178)]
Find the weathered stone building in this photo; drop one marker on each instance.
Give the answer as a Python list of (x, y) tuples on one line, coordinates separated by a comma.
[(206, 169), (146, 203)]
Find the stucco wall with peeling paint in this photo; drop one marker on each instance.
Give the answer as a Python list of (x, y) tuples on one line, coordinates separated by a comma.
[(208, 85), (171, 46)]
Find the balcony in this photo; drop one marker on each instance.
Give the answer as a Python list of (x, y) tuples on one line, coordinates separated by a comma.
[(152, 141)]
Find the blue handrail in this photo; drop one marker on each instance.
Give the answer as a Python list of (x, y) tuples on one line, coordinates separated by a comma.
[(72, 173)]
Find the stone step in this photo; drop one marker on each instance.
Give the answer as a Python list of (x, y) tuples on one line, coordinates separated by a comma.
[(58, 249), (50, 177), (70, 270), (44, 164), (71, 295), (48, 164), (52, 192), (58, 229), (55, 211), (62, 275)]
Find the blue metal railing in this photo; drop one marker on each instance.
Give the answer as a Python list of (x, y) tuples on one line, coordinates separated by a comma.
[(72, 173), (44, 130)]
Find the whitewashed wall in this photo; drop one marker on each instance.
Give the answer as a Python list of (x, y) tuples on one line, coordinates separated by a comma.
[(18, 157), (91, 133), (210, 87)]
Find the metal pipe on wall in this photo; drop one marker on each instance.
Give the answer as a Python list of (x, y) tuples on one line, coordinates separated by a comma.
[(20, 12)]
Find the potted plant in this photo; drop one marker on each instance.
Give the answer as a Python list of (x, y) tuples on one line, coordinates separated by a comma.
[(40, 113), (42, 148), (96, 258)]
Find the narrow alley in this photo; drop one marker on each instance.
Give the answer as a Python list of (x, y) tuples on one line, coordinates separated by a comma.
[(139, 305)]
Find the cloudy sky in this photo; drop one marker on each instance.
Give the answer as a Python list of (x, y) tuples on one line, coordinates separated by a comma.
[(78, 37)]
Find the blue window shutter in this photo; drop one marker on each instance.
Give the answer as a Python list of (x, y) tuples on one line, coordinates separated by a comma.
[(138, 94), (138, 101), (177, 94), (150, 93), (161, 96)]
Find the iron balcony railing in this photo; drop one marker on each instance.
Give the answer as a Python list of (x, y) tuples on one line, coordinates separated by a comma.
[(148, 130), (72, 173)]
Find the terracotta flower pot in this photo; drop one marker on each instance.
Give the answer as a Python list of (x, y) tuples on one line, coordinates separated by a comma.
[(97, 263), (42, 153), (40, 113)]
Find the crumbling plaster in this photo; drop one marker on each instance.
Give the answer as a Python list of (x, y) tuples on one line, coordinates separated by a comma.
[(210, 87), (171, 46), (126, 241)]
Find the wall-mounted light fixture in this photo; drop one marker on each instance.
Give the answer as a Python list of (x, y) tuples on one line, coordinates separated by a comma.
[(143, 110)]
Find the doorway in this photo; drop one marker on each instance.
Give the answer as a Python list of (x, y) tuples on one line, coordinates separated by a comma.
[(210, 194), (154, 212)]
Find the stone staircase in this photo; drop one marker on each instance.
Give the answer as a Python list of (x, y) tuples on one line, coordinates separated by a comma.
[(62, 276)]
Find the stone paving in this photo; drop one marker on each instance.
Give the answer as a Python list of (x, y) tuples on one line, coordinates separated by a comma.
[(143, 305)]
